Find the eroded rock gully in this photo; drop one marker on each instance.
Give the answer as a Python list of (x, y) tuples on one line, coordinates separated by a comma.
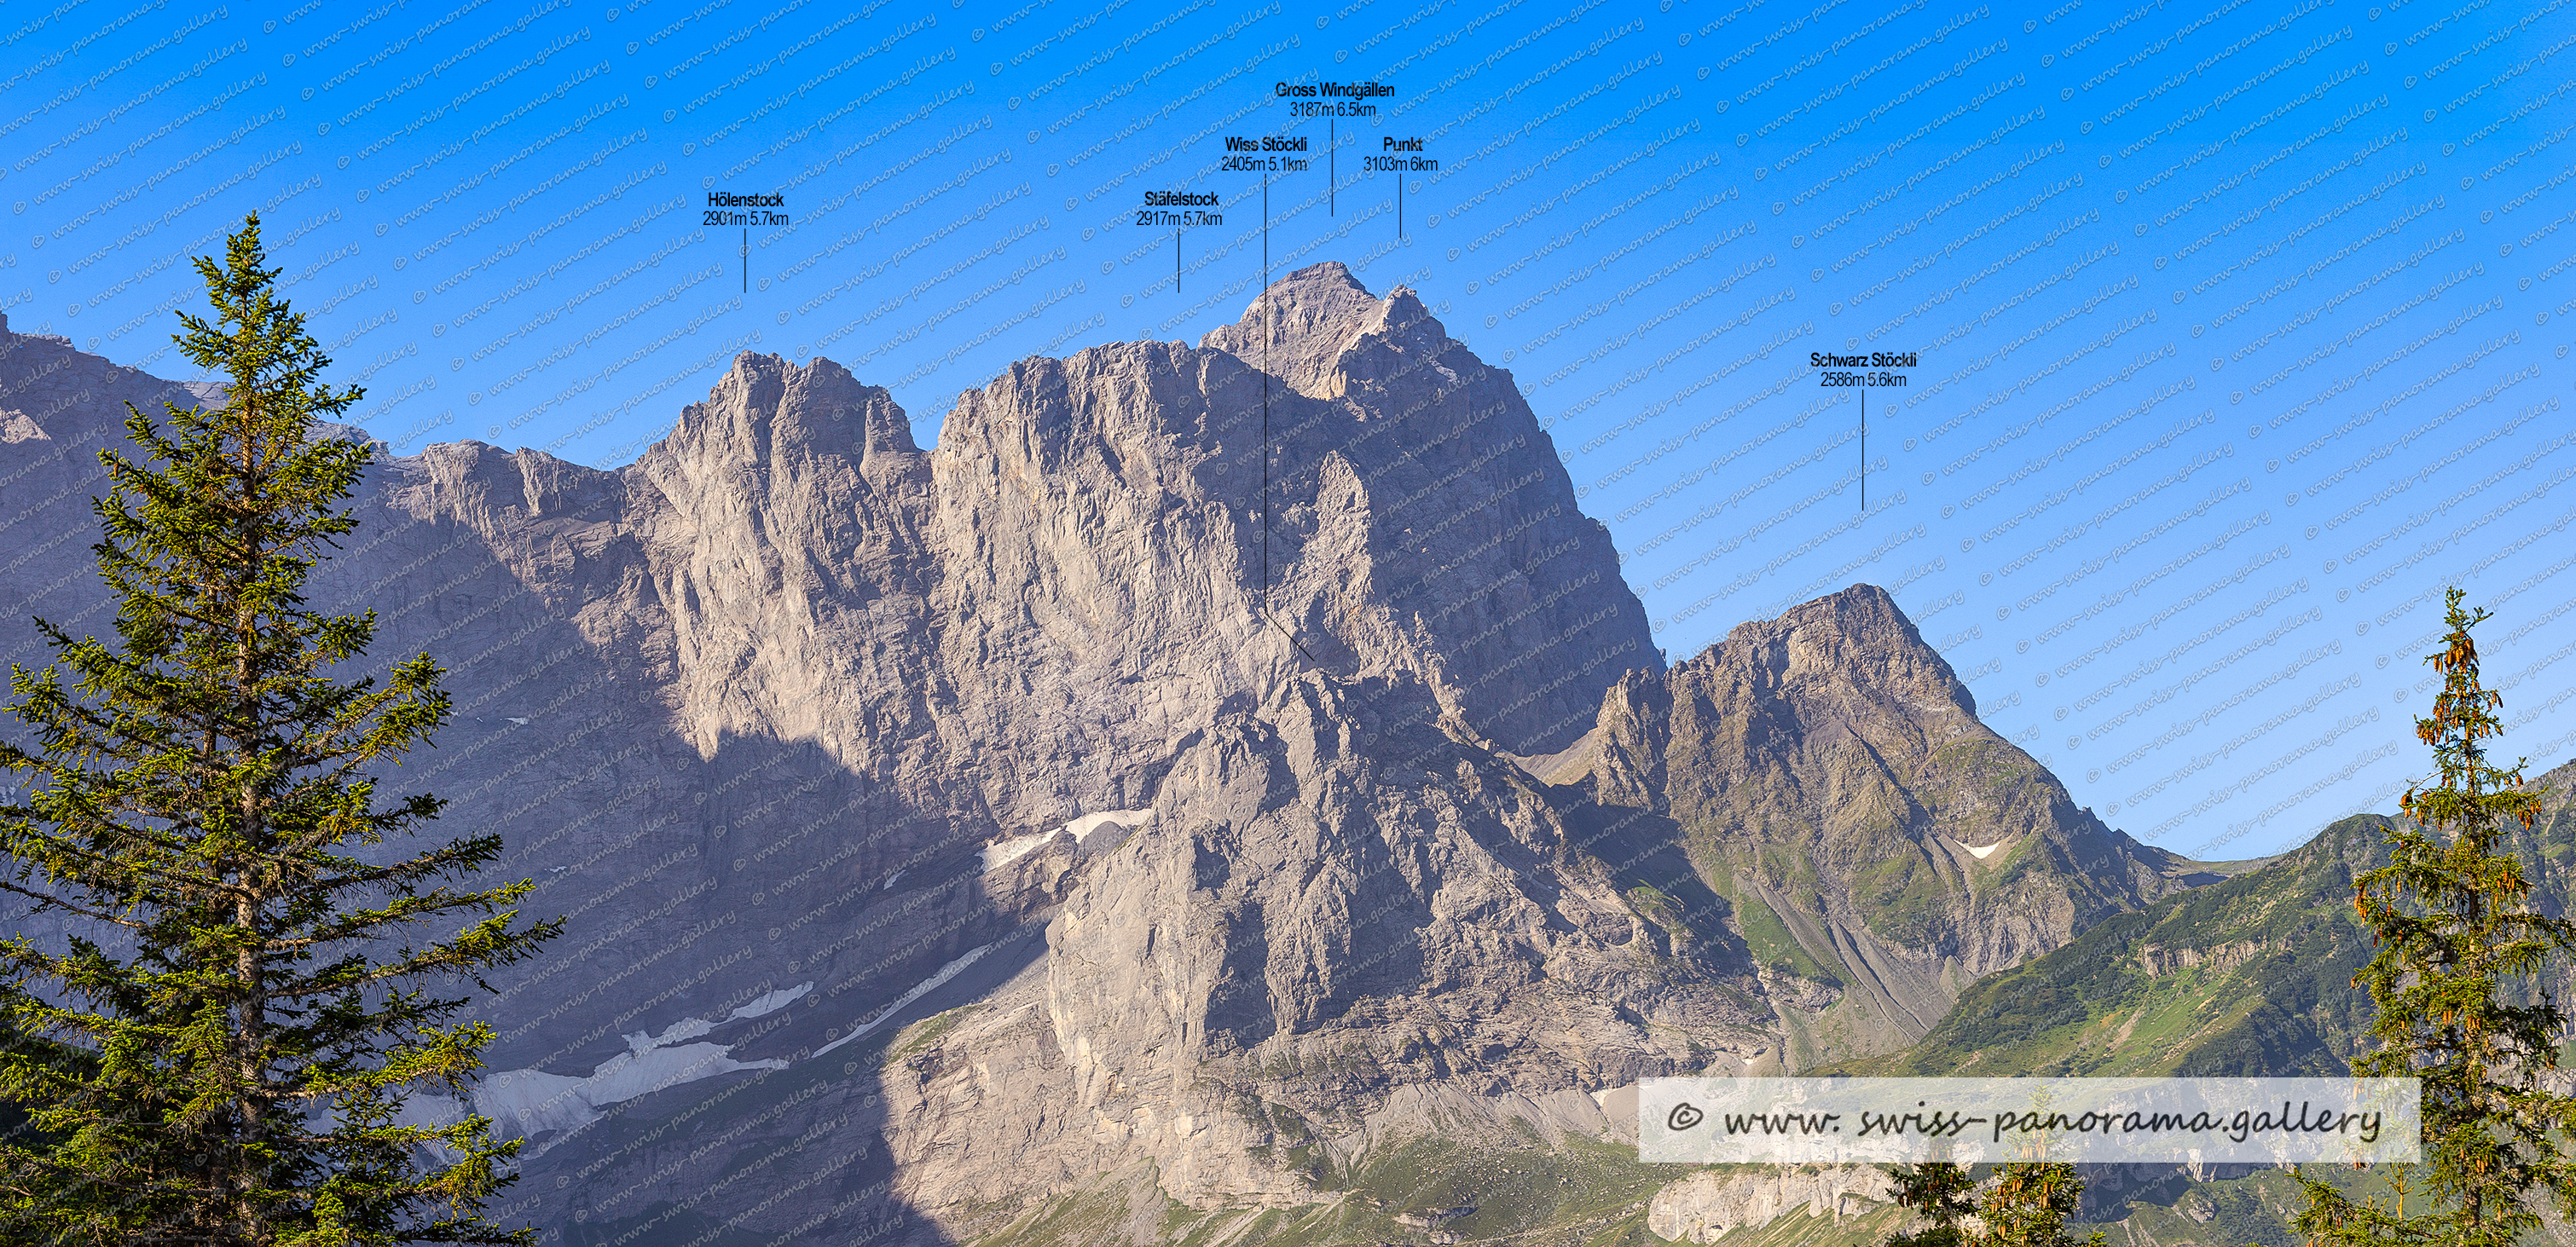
[(1216, 846)]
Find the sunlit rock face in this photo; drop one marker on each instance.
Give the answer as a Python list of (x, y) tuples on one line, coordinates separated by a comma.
[(1203, 764), (1878, 847)]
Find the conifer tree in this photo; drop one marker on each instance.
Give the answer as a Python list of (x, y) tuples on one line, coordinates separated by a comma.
[(2459, 987), (223, 1050), (1939, 1192), (2025, 1205), (2028, 1207)]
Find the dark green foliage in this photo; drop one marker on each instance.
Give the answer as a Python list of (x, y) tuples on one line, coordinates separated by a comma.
[(2025, 1205), (2028, 1002), (2455, 985), (2028, 1207), (2272, 1040), (201, 790), (1937, 1192)]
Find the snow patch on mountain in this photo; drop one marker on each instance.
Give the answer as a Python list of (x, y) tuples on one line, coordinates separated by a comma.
[(527, 1102), (771, 1003), (1083, 829), (919, 990)]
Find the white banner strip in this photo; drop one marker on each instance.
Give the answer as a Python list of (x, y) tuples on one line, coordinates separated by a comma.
[(2143, 1120)]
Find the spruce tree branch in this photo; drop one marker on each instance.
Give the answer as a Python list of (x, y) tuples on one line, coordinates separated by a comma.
[(107, 863), (411, 910), (47, 900)]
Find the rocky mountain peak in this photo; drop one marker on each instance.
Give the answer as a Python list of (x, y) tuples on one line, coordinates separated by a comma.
[(1871, 836), (1306, 326), (1154, 785), (1854, 637), (765, 406), (1393, 509)]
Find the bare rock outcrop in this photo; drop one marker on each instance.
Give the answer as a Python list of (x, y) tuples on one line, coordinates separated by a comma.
[(1869, 835), (1201, 766), (1704, 1206)]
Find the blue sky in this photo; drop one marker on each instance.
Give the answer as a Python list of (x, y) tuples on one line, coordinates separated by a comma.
[(2235, 327)]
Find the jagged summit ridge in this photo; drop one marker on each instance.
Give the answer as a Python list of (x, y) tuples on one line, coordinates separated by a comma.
[(1082, 565), (1316, 819), (816, 408), (1419, 522), (1831, 775), (1301, 327)]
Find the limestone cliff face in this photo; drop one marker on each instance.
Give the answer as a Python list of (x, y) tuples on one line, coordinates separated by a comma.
[(1704, 1206), (1079, 566), (1203, 765)]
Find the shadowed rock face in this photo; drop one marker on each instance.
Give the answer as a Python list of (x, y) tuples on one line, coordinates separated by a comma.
[(1232, 766)]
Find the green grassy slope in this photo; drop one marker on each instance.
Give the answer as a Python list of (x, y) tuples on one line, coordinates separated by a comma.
[(2249, 976), (2252, 975)]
